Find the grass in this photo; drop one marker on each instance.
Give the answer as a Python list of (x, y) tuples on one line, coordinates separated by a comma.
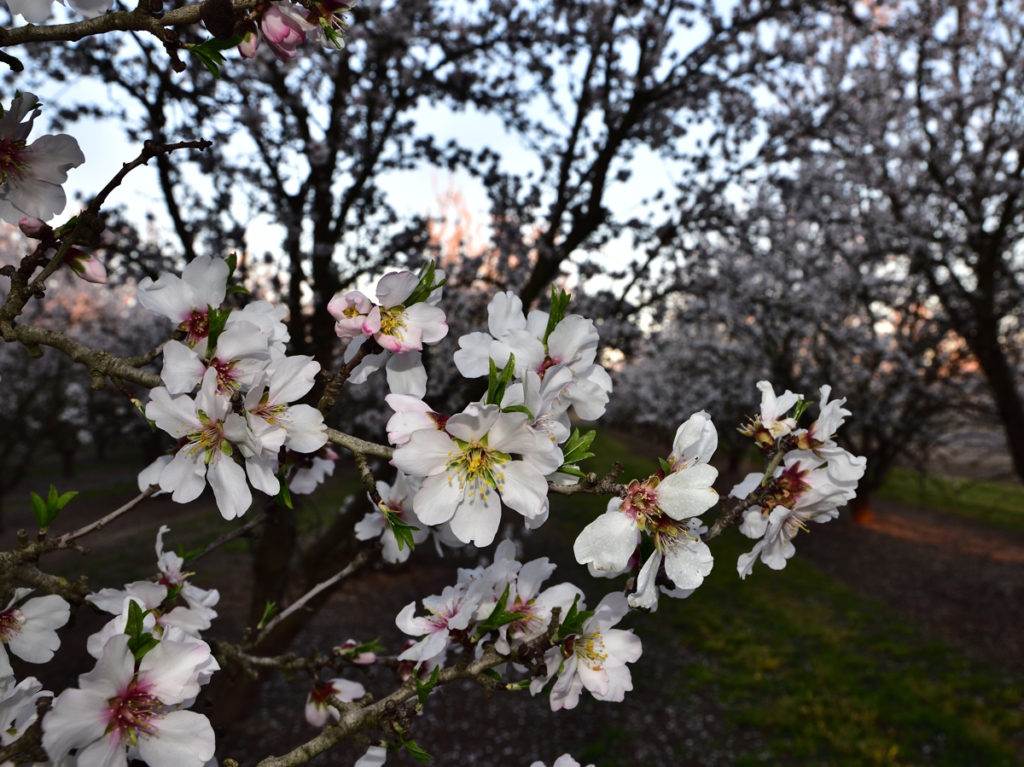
[(991, 502), (826, 676)]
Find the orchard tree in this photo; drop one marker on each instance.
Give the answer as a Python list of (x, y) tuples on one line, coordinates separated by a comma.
[(910, 133)]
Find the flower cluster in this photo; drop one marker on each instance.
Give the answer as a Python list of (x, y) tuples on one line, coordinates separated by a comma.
[(286, 26), (504, 602), (664, 506), (813, 478), (246, 386)]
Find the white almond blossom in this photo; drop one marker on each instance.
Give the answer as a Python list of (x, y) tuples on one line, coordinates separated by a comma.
[(451, 611), (28, 628), (563, 761), (122, 710), (203, 424), (397, 498), (469, 471), (595, 659), (31, 175), (186, 300), (318, 708)]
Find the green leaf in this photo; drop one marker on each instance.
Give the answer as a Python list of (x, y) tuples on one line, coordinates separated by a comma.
[(559, 303), (140, 641), (209, 52), (518, 409), (218, 320), (40, 511), (423, 689), (284, 496), (374, 646), (497, 381), (403, 530), (666, 467), (269, 611), (426, 285), (576, 450), (498, 616), (578, 446), (410, 745), (573, 621), (232, 259), (800, 408)]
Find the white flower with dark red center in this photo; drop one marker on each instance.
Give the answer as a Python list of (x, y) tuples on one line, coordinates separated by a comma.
[(206, 450), (123, 710), (28, 628), (397, 499), (241, 355), (655, 506), (595, 659), (451, 611), (186, 300), (802, 490), (31, 175), (469, 471), (169, 563), (318, 706)]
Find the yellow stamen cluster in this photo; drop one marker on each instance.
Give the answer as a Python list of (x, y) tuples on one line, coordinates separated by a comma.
[(392, 321), (478, 467)]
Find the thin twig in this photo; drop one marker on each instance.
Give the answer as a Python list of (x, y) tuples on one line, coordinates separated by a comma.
[(361, 559), (63, 541), (356, 445)]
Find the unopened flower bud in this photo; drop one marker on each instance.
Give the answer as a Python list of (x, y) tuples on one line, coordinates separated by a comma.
[(33, 227), (86, 266)]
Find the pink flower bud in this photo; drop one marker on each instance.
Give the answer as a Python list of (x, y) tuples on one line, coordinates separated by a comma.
[(363, 658), (247, 48), (285, 28), (86, 266), (33, 227)]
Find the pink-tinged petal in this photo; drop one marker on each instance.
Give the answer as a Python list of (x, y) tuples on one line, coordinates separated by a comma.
[(229, 487), (472, 423), (608, 542), (523, 488), (113, 671), (169, 670), (477, 518), (78, 718), (394, 287), (409, 624), (426, 453), (531, 576), (688, 493), (182, 739), (437, 499), (371, 322)]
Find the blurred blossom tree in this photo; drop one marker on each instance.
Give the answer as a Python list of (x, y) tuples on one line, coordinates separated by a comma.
[(908, 131)]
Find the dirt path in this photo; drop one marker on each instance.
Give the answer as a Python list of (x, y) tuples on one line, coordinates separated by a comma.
[(960, 581)]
